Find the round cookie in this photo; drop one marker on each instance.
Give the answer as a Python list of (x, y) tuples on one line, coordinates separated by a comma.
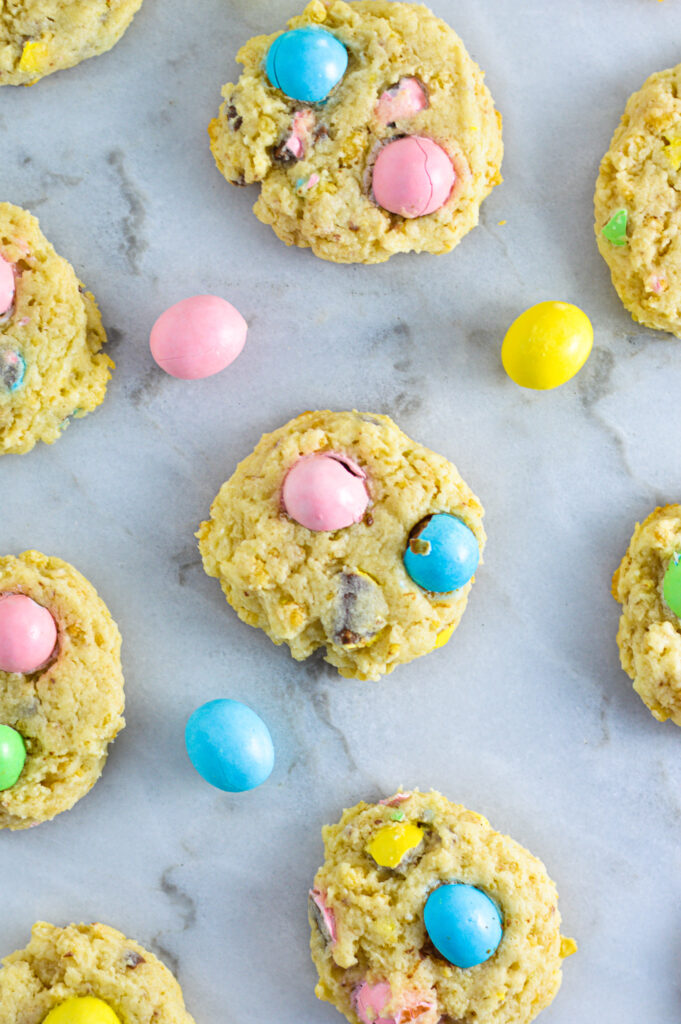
[(71, 709), (51, 336), (346, 590), (649, 634), (38, 37), (636, 204), (408, 74), (88, 960), (368, 933)]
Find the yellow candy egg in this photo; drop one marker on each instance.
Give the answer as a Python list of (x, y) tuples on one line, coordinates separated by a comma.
[(391, 843), (444, 636), (82, 1010), (547, 345)]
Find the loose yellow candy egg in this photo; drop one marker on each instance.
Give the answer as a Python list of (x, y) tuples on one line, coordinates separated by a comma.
[(82, 1010), (547, 345), (390, 844)]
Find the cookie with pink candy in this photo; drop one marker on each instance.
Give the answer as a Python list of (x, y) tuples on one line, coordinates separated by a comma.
[(61, 687), (52, 367), (341, 533), (422, 914), (367, 127)]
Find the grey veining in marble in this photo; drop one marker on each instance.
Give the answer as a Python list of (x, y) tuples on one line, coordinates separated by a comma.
[(525, 715)]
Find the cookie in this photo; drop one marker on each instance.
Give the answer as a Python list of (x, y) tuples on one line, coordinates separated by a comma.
[(408, 75), (343, 588), (69, 710), (638, 218), (51, 362), (88, 961), (649, 635), (38, 37), (375, 957)]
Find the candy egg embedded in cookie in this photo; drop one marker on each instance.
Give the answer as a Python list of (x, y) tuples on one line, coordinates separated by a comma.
[(82, 1010), (306, 63), (412, 176)]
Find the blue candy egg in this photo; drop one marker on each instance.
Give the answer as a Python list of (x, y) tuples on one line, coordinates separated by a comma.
[(306, 63), (229, 745), (442, 553), (463, 923)]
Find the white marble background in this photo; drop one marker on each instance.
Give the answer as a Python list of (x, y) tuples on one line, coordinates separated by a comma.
[(525, 715)]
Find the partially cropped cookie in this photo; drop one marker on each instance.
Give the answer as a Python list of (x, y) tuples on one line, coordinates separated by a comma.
[(340, 532), (61, 687), (38, 37), (638, 217), (422, 913), (368, 128), (51, 362), (87, 973), (648, 586)]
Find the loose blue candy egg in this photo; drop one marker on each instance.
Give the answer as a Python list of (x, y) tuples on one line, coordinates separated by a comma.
[(306, 63), (229, 745), (463, 923), (442, 553)]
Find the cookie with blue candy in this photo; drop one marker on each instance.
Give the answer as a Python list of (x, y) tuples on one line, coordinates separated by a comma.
[(52, 366), (422, 913)]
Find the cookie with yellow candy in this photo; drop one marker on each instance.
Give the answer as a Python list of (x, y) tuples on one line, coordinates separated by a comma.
[(393, 937), (52, 364), (38, 37), (87, 974), (341, 533), (638, 218)]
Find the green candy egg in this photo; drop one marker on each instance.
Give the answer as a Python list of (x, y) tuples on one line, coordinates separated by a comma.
[(671, 588), (12, 756)]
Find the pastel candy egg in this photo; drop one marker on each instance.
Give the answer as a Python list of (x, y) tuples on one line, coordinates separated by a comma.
[(547, 345), (671, 585), (392, 843), (463, 923), (306, 63), (28, 634), (12, 369), (442, 553), (82, 1010), (6, 285), (229, 745), (12, 756), (371, 1000), (325, 492), (198, 337), (412, 176)]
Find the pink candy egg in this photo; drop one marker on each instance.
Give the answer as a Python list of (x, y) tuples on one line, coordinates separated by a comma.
[(370, 1000), (198, 337), (325, 492), (6, 285), (413, 176), (28, 634)]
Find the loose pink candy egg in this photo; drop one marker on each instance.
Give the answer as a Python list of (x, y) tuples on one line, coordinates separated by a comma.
[(413, 176), (198, 337), (28, 634), (325, 492), (6, 285)]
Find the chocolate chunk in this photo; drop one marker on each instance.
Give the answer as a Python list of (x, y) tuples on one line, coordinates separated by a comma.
[(133, 959)]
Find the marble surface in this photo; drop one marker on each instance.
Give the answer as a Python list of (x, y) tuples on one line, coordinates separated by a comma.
[(526, 715)]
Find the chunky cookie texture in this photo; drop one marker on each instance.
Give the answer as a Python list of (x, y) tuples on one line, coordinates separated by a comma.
[(649, 635), (88, 960), (38, 37), (345, 591), (408, 74), (637, 204), (51, 362), (369, 942), (70, 710)]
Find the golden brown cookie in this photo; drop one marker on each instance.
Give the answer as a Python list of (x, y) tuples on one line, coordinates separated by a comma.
[(88, 960), (71, 709), (313, 161), (38, 37), (370, 944)]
